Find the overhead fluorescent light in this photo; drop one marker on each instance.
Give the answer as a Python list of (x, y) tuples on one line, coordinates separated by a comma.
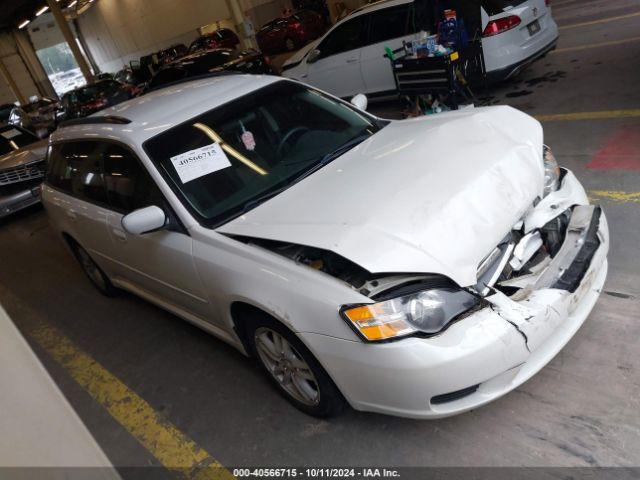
[(42, 10), (24, 24), (72, 4)]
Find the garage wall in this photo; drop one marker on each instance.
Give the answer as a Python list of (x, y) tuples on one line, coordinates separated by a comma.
[(264, 11), (117, 31), (11, 59)]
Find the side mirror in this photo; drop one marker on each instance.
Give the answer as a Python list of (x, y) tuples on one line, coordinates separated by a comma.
[(314, 56), (144, 220), (360, 101)]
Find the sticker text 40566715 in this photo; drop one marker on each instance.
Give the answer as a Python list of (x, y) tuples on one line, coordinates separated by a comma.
[(200, 162)]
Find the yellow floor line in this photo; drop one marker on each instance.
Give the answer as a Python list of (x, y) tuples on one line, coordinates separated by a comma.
[(173, 449), (602, 20), (595, 45), (601, 115), (615, 196)]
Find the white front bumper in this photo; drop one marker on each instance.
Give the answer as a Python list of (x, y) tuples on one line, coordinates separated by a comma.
[(486, 349)]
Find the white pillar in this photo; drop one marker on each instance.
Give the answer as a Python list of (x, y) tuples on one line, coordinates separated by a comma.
[(238, 20)]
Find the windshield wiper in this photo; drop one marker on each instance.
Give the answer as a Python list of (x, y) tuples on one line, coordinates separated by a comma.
[(344, 148), (328, 158), (251, 204)]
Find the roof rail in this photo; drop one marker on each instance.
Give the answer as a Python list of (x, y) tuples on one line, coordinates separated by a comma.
[(99, 119), (191, 78)]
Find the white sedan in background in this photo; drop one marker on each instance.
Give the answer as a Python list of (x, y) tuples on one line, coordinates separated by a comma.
[(418, 268)]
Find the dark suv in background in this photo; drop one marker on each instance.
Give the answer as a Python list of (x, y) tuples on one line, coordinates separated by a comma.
[(201, 63)]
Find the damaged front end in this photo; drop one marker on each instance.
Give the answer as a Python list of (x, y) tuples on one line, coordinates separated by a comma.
[(532, 279), (535, 277), (551, 267)]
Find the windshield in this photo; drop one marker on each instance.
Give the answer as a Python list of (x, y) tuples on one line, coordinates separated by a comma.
[(494, 7), (223, 162), (12, 138)]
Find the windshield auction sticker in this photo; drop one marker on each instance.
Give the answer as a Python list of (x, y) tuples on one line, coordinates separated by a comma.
[(200, 162)]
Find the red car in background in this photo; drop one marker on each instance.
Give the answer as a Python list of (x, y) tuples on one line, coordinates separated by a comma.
[(94, 97), (289, 33), (222, 38)]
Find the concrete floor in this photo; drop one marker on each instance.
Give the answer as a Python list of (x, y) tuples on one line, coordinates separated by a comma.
[(583, 409)]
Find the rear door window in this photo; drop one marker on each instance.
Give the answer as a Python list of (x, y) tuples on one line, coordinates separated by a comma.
[(388, 23), (346, 36), (129, 186)]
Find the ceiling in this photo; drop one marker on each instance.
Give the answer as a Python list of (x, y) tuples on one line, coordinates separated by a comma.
[(15, 11)]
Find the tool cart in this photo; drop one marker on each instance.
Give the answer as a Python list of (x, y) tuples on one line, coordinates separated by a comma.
[(436, 69)]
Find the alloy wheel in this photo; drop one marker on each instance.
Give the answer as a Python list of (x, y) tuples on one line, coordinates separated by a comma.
[(287, 366)]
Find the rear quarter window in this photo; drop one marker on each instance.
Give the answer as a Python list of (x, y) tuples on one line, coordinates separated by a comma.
[(75, 168), (494, 7)]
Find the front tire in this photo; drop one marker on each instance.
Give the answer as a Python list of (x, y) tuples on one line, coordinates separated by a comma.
[(94, 272), (293, 369)]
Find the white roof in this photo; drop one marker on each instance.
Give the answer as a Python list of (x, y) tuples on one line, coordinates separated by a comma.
[(162, 109), (379, 5)]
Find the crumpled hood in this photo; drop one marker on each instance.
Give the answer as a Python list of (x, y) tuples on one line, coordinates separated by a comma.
[(429, 195), (31, 153)]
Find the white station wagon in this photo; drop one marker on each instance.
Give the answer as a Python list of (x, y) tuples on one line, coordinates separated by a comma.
[(418, 268)]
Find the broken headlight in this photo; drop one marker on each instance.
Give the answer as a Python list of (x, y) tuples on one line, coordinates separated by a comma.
[(426, 311), (551, 171)]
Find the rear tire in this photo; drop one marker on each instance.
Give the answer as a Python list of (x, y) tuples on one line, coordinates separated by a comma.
[(293, 369), (94, 272)]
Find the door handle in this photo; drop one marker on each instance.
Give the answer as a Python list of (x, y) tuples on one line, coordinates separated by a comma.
[(73, 216), (119, 234), (352, 60)]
